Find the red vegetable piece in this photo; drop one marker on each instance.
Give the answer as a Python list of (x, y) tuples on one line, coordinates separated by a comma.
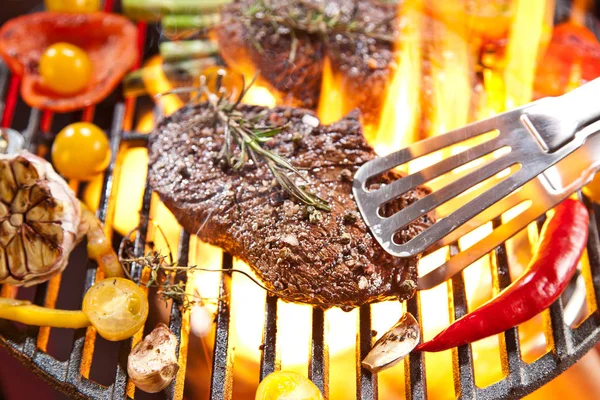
[(109, 39), (573, 51), (554, 263)]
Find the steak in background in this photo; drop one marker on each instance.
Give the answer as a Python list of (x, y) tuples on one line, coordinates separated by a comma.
[(322, 258), (364, 63)]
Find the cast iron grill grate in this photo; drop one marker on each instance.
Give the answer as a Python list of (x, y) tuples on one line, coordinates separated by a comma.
[(72, 377)]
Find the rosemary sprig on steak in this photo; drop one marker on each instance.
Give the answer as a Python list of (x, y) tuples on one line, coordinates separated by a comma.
[(249, 136)]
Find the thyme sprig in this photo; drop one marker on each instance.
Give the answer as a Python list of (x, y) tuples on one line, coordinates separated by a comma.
[(314, 19), (168, 278), (249, 136)]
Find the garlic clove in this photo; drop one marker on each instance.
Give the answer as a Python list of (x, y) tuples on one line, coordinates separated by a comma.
[(3, 210), (15, 253), (3, 265), (51, 230), (8, 185), (394, 345), (7, 232), (25, 172), (152, 364), (20, 203)]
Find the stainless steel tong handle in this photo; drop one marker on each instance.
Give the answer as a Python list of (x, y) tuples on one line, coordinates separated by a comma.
[(554, 121)]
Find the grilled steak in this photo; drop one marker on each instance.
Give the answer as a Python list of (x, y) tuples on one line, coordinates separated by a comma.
[(322, 258), (291, 59)]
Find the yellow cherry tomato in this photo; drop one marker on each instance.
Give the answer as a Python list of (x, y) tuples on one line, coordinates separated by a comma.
[(80, 151), (284, 385), (65, 69), (74, 6), (116, 307), (593, 189)]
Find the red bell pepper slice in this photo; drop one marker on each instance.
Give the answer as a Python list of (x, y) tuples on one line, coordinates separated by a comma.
[(109, 39)]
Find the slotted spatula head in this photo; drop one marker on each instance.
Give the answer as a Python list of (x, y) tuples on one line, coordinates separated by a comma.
[(511, 149)]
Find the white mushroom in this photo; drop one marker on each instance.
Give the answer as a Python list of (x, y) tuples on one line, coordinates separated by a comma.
[(40, 220), (152, 364)]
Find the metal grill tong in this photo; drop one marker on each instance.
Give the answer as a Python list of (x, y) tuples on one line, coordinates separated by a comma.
[(530, 159)]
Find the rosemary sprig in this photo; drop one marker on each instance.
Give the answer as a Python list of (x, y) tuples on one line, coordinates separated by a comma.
[(312, 18), (249, 137)]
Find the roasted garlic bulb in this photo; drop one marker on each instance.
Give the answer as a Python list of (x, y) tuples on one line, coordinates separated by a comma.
[(40, 220)]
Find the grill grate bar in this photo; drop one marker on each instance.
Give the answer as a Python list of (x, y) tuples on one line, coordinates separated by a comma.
[(176, 317), (71, 376), (593, 250), (222, 365), (510, 349), (462, 357), (318, 369), (268, 359), (4, 79), (366, 382), (414, 365)]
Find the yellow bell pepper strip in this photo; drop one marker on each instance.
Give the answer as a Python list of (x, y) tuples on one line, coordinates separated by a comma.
[(99, 248), (30, 314)]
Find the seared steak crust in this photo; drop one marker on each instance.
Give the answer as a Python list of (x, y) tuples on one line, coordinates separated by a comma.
[(365, 62), (322, 258)]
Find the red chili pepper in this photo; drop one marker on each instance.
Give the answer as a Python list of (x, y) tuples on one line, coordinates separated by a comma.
[(562, 241)]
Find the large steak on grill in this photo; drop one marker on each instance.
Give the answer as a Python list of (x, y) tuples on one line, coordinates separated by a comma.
[(322, 258)]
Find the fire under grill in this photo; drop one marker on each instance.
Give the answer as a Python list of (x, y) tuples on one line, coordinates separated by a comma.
[(565, 344)]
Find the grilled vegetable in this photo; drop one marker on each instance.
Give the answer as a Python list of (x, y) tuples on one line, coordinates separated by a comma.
[(153, 10), (116, 307), (80, 151), (152, 364), (74, 6), (572, 59), (283, 385), (65, 69), (183, 26), (109, 40), (39, 220), (178, 73), (562, 242), (27, 313), (187, 49), (99, 248)]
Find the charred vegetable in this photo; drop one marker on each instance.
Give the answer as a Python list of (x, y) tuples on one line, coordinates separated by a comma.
[(152, 364), (109, 40), (562, 242), (40, 220)]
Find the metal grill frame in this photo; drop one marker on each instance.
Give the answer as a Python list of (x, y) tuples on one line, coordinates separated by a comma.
[(568, 344)]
